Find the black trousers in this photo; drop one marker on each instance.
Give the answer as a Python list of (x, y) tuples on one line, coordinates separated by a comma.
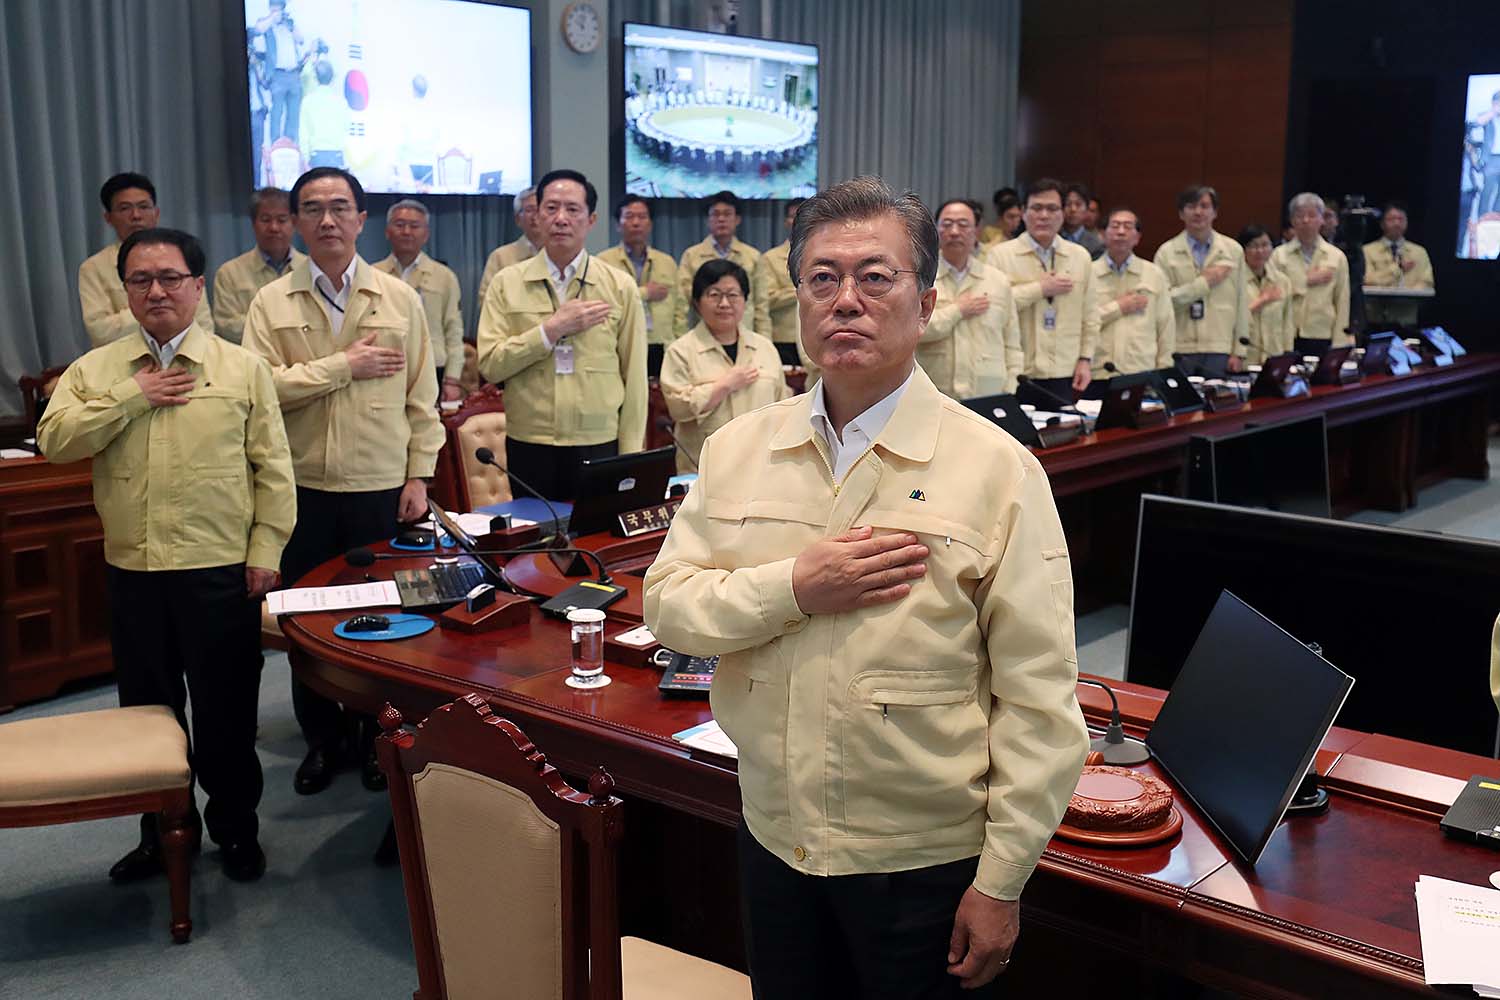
[(1308, 346), (550, 469), (1205, 363), (328, 525), (193, 633), (850, 937)]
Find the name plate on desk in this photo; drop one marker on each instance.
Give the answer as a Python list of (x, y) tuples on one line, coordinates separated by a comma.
[(646, 519)]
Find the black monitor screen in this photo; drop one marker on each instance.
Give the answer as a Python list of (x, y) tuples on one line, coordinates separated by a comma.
[(1281, 466), (1243, 721), (1408, 613), (620, 483)]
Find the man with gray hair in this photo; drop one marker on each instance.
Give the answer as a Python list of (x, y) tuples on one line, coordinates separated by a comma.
[(407, 231), (886, 581), (238, 279), (523, 247), (1319, 275)]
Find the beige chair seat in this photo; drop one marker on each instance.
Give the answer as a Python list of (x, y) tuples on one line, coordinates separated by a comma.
[(652, 972), (91, 755)]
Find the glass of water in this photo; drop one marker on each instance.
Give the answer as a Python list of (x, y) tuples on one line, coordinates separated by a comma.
[(587, 627)]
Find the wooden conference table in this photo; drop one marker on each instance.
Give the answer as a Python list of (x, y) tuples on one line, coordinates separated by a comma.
[(1328, 911)]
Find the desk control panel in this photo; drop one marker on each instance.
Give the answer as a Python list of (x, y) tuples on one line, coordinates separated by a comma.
[(683, 674)]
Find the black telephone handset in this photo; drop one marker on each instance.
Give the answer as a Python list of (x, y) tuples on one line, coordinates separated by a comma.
[(683, 674)]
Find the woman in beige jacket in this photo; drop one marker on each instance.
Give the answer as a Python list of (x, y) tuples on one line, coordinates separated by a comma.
[(1270, 298), (720, 369)]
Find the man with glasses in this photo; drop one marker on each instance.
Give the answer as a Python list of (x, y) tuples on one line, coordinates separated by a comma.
[(129, 201), (1207, 274), (350, 352), (886, 580), (193, 483), (655, 275), (972, 344), (407, 230), (523, 247), (1056, 301), (723, 210), (567, 336), (237, 280)]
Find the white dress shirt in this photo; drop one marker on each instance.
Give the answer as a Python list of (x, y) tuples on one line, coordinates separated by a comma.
[(164, 353), (334, 303), (958, 276), (560, 282), (859, 433)]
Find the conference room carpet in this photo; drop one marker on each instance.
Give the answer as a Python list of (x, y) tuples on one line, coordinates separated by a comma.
[(324, 922)]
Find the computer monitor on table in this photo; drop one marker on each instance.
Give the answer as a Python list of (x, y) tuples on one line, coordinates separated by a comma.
[(1407, 613), (620, 483), (1280, 466)]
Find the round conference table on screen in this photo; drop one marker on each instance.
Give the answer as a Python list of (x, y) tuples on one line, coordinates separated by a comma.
[(1328, 910)]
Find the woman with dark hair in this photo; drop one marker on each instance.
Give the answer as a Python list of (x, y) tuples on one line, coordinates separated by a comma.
[(1270, 333), (720, 368)]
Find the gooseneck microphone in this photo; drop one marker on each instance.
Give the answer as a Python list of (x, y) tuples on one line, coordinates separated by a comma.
[(1116, 747), (362, 557), (487, 457), (664, 424)]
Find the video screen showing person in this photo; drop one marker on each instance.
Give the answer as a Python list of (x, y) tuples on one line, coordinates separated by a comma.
[(1479, 173), (706, 112), (411, 96)]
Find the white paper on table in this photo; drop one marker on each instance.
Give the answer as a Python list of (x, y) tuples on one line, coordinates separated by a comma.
[(708, 737), (355, 595), (476, 525), (1090, 407), (1044, 418), (1460, 930), (16, 453)]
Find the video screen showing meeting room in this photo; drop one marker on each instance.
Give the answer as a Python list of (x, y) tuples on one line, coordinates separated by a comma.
[(1479, 180), (411, 96), (707, 112)]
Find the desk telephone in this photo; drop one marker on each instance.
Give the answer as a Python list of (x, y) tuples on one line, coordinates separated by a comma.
[(683, 674)]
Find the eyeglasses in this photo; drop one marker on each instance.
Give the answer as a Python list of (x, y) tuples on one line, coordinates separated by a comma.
[(1044, 209), (340, 210), (959, 224), (170, 281), (872, 282), (715, 296)]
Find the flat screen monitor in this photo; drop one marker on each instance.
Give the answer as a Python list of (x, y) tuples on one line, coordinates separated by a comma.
[(620, 483), (706, 112), (1408, 613), (1478, 231), (1244, 720), (411, 96), (1281, 466)]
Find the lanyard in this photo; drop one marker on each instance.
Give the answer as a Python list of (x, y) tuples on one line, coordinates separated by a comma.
[(582, 280), (332, 303)]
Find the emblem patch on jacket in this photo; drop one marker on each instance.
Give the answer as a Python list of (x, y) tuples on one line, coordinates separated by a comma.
[(918, 495)]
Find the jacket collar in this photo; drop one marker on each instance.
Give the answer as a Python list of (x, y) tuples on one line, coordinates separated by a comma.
[(911, 432), (364, 280), (194, 346), (703, 339)]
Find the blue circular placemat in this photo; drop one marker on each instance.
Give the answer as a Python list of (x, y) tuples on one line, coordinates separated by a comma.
[(411, 548), (403, 626)]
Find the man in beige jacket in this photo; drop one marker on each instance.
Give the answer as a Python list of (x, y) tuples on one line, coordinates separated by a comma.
[(407, 231), (777, 290), (1318, 272), (523, 247), (723, 212), (1393, 261), (1056, 301), (972, 344), (1206, 270), (129, 201), (1136, 328), (567, 336), (886, 581), (655, 274), (238, 279), (349, 349)]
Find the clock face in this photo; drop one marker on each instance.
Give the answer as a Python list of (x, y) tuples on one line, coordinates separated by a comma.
[(581, 28)]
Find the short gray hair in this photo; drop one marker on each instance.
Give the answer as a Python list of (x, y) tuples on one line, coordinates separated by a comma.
[(266, 194), (867, 198), (521, 196), (1304, 200), (411, 203)]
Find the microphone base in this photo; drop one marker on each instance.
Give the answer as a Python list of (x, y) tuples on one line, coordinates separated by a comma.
[(1131, 752), (570, 563), (1310, 800)]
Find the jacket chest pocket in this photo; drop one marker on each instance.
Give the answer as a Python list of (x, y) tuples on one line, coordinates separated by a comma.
[(913, 751), (299, 343), (754, 531), (386, 334), (211, 431)]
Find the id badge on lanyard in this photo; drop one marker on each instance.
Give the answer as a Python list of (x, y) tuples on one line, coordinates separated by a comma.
[(1049, 317), (562, 354)]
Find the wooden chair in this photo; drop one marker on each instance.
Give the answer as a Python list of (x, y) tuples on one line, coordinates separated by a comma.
[(36, 390), (93, 765), (455, 168), (283, 163), (479, 422), (510, 872)]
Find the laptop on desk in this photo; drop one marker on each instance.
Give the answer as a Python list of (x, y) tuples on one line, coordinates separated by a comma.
[(1005, 412), (611, 486), (448, 580)]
